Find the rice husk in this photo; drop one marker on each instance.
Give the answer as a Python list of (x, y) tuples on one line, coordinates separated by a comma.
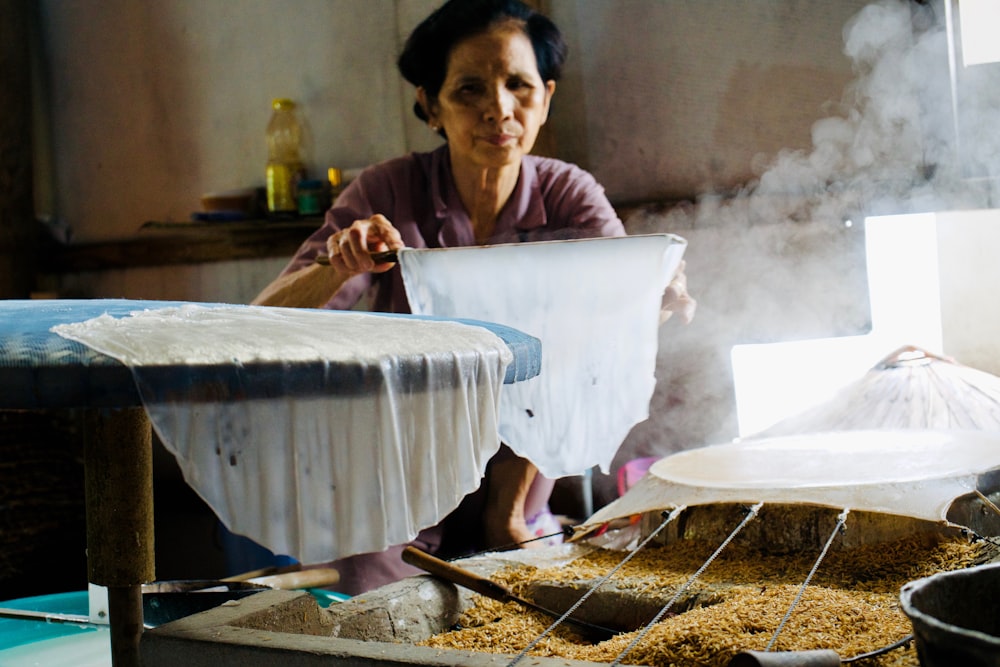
[(851, 605)]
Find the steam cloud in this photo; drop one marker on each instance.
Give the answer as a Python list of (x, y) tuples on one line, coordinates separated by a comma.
[(903, 138), (900, 140)]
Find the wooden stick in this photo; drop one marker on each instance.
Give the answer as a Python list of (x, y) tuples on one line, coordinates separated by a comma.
[(377, 257)]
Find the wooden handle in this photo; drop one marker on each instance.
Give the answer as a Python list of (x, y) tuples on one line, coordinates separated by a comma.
[(262, 572), (455, 574), (313, 578), (383, 257)]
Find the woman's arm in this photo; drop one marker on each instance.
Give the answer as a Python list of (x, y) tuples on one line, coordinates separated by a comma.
[(311, 287), (350, 254)]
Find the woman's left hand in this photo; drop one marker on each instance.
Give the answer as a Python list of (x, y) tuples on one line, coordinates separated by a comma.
[(677, 300)]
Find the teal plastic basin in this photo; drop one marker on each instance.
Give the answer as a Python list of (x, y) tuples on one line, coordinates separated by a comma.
[(25, 643), (28, 642), (16, 632)]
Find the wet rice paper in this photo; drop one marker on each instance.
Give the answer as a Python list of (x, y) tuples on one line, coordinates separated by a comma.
[(359, 461), (594, 304), (914, 473)]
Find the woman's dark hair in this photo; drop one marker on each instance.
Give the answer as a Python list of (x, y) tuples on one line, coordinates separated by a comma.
[(424, 60)]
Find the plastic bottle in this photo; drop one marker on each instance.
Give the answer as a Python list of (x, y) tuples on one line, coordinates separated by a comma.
[(284, 160)]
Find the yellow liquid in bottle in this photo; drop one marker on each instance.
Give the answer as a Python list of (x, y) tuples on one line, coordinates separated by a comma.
[(280, 188)]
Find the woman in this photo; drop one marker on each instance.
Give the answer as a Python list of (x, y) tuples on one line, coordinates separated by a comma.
[(485, 72)]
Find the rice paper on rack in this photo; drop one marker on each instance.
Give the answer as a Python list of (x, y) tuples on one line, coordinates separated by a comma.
[(388, 434)]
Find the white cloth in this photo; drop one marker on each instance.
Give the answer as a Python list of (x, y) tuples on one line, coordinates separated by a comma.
[(594, 304), (325, 476)]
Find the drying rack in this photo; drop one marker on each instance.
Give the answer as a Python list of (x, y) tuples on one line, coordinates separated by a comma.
[(41, 370)]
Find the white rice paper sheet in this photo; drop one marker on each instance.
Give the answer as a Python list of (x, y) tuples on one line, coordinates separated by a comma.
[(324, 476), (911, 473), (594, 304)]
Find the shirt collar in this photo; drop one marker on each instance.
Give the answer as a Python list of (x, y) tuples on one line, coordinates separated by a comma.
[(525, 210), (442, 186)]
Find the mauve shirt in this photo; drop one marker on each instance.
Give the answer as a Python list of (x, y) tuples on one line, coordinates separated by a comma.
[(552, 200)]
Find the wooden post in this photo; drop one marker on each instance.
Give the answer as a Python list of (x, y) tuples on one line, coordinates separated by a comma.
[(17, 225), (118, 467)]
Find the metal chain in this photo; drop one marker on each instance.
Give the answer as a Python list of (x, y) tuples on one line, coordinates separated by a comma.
[(680, 591), (841, 519), (667, 519)]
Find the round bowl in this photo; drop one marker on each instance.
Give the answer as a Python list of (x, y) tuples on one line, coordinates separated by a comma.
[(956, 617)]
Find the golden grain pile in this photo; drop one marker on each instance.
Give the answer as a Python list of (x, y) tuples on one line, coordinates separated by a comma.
[(850, 607)]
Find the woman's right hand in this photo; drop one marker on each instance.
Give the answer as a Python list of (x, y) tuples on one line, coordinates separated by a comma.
[(350, 250), (349, 253)]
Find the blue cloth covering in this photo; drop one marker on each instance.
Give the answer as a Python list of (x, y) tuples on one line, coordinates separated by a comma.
[(40, 369)]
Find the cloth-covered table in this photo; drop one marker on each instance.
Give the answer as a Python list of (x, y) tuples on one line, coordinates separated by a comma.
[(40, 369)]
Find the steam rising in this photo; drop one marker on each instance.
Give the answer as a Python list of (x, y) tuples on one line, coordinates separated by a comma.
[(897, 139), (904, 137), (901, 137)]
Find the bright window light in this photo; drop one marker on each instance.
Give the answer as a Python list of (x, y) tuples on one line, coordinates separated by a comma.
[(777, 380), (980, 21)]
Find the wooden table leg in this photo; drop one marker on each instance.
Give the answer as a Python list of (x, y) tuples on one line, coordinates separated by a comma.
[(118, 467)]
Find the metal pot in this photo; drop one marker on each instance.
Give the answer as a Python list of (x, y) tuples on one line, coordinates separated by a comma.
[(166, 601), (956, 617)]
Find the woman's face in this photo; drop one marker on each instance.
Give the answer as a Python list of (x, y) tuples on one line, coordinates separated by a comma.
[(493, 100)]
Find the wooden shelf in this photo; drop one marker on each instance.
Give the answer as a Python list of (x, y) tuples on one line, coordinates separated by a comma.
[(171, 243), (166, 243)]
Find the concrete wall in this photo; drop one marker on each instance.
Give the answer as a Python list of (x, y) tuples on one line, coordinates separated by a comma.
[(152, 104), (670, 99)]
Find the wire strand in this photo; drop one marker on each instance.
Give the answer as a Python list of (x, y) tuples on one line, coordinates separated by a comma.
[(841, 520), (877, 652), (506, 547), (667, 519), (680, 591)]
